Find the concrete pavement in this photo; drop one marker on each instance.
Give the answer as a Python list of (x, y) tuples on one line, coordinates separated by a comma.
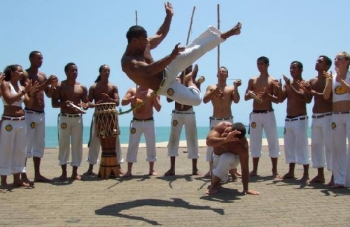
[(172, 201)]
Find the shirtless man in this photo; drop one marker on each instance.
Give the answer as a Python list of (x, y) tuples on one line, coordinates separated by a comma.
[(102, 91), (321, 131), (35, 116), (338, 88), (144, 100), (221, 96), (160, 75), (263, 116), (295, 137), (230, 149), (183, 115), (69, 96)]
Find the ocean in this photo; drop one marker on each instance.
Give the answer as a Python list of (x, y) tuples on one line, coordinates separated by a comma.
[(162, 135)]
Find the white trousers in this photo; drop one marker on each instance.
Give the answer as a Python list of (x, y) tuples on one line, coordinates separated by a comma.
[(214, 121), (223, 163), (95, 145), (263, 121), (321, 141), (188, 120), (70, 137), (176, 91), (35, 134), (137, 128), (340, 154), (296, 145), (12, 146)]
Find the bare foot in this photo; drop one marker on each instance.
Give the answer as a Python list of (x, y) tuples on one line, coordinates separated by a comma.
[(4, 187), (236, 30), (238, 174), (207, 175), (121, 172), (20, 184), (196, 172), (76, 177), (336, 186), (170, 172), (25, 179), (42, 179), (88, 173), (211, 190), (253, 173), (331, 182), (288, 176), (152, 173), (277, 177), (127, 174), (63, 177), (318, 179), (305, 179)]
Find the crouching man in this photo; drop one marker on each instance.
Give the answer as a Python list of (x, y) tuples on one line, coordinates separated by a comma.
[(230, 149)]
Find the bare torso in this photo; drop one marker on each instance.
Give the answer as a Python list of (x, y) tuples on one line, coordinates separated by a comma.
[(295, 105), (222, 104), (259, 84), (70, 92), (145, 111), (39, 103), (320, 104), (150, 81)]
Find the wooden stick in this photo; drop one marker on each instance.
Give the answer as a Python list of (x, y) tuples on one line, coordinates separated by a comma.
[(190, 28), (187, 40), (218, 13), (136, 16)]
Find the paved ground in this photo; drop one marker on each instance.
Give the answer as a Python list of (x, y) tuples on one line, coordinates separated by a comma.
[(172, 201)]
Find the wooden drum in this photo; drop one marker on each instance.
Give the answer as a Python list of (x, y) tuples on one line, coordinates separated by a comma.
[(107, 129)]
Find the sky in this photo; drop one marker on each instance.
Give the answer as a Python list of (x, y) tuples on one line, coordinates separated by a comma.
[(91, 33)]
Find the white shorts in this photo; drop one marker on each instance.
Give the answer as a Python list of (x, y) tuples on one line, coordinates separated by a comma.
[(70, 137), (263, 121), (296, 144), (176, 91), (321, 140), (223, 163), (178, 120), (35, 134), (214, 121), (95, 145), (12, 146), (137, 128)]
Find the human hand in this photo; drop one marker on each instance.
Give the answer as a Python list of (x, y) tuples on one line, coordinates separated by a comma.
[(105, 97), (254, 96), (277, 83), (176, 51), (53, 80), (250, 192), (305, 86), (169, 9), (237, 83), (286, 80), (328, 76), (231, 136), (33, 88)]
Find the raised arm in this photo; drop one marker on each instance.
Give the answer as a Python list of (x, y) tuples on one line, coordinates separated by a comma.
[(129, 97), (162, 32)]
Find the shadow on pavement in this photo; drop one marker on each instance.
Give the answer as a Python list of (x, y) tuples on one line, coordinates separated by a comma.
[(118, 208)]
